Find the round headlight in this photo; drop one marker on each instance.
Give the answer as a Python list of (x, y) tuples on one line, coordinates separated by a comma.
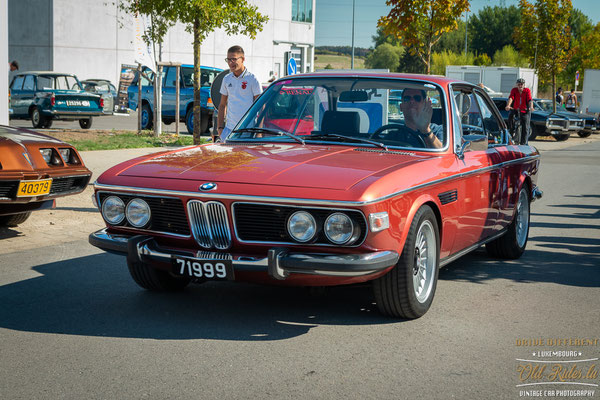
[(113, 210), (339, 228), (138, 213), (302, 226)]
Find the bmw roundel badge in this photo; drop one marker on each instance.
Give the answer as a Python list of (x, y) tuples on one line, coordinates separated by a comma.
[(205, 187)]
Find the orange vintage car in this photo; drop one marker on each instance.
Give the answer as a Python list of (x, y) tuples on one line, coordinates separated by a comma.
[(35, 169)]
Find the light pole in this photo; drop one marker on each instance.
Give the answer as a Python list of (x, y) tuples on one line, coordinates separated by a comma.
[(352, 62), (466, 20)]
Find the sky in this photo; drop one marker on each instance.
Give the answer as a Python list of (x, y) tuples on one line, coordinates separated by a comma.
[(333, 18)]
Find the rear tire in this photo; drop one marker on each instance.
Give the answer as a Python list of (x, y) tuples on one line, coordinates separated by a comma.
[(85, 123), (512, 244), (147, 118), (562, 137), (189, 121), (154, 279), (584, 134), (408, 289), (14, 219), (37, 119)]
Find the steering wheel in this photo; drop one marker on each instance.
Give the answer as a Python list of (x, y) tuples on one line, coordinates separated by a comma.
[(406, 132)]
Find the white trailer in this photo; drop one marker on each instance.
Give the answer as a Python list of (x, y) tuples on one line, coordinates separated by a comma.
[(498, 79), (590, 101)]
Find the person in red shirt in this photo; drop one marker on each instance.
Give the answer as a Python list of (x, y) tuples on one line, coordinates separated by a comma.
[(521, 104)]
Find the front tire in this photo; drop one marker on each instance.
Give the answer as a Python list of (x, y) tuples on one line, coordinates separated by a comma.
[(85, 123), (14, 219), (512, 244), (154, 279), (407, 290), (562, 137)]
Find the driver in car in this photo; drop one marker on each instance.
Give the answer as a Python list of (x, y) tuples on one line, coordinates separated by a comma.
[(417, 110)]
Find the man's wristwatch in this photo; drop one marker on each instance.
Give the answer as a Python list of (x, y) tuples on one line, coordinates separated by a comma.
[(425, 134)]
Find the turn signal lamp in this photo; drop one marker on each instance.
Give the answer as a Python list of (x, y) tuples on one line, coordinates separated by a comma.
[(379, 221)]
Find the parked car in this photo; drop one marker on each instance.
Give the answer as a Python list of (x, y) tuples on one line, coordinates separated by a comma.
[(44, 97), (359, 197), (545, 123), (105, 89), (590, 122), (35, 169), (186, 96)]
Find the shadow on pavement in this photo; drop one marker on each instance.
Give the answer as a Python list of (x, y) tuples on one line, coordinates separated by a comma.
[(95, 296)]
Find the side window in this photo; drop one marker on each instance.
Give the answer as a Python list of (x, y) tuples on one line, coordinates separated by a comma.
[(29, 83), (490, 122), (17, 83), (469, 113), (60, 83), (169, 80), (72, 83), (44, 83)]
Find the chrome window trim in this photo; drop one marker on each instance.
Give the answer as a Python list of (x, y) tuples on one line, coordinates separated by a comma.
[(296, 201), (438, 87), (303, 207)]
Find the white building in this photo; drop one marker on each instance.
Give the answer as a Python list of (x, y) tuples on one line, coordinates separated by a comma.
[(92, 38)]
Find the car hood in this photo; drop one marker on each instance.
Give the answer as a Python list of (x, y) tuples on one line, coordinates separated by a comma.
[(24, 137), (310, 166)]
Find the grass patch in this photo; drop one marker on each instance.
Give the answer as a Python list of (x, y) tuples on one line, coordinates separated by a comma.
[(111, 140), (338, 62)]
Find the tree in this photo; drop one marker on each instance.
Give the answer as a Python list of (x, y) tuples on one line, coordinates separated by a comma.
[(508, 56), (200, 17), (385, 56), (440, 60), (419, 24), (581, 26), (544, 35), (492, 28)]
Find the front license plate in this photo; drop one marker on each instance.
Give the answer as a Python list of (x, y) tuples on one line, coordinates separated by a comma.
[(220, 270), (78, 103), (34, 188)]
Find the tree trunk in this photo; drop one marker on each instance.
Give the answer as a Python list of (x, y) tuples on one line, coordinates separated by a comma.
[(197, 113), (554, 92)]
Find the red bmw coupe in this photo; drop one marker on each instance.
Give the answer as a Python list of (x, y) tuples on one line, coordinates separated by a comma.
[(396, 176)]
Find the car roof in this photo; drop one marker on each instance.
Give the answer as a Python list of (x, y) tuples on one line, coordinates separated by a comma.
[(439, 79), (44, 73)]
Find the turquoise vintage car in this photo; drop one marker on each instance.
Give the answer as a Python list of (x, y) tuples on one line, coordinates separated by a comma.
[(44, 97)]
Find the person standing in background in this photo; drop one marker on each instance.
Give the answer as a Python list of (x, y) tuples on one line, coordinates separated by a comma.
[(571, 103), (13, 66), (238, 91)]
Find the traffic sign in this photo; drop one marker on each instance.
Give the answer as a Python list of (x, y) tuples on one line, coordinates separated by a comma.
[(292, 67)]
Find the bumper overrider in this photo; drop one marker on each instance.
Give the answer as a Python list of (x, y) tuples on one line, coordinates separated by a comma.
[(279, 263)]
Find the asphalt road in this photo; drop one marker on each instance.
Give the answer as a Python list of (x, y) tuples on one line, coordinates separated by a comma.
[(73, 324)]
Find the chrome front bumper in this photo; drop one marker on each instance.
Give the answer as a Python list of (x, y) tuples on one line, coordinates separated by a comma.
[(279, 263)]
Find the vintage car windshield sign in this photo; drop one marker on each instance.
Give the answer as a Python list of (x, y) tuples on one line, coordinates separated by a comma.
[(330, 179)]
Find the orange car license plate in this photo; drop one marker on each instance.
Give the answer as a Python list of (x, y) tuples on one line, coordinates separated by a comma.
[(34, 188)]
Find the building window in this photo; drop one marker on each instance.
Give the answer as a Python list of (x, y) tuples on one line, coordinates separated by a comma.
[(302, 10)]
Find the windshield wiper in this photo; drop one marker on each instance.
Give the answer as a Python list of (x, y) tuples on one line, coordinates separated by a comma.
[(267, 130), (356, 139)]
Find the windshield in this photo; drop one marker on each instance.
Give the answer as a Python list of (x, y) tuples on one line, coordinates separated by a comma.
[(356, 111), (58, 82), (207, 76), (544, 105)]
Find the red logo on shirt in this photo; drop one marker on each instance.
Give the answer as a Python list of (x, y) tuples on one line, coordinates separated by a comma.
[(244, 84)]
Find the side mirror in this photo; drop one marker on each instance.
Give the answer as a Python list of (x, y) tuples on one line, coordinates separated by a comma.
[(473, 143)]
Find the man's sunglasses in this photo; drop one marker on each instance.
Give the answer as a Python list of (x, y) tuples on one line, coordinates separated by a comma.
[(230, 60), (417, 98)]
